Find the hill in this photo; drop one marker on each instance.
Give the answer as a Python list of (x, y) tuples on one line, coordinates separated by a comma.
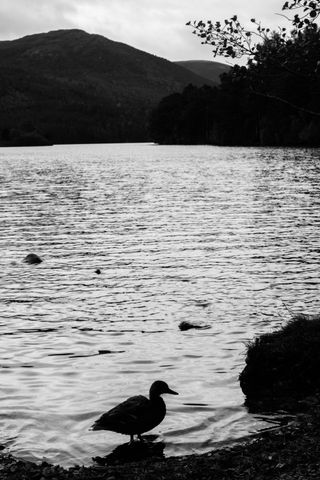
[(68, 86), (206, 69)]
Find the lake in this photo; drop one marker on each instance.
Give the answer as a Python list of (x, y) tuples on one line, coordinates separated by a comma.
[(221, 237)]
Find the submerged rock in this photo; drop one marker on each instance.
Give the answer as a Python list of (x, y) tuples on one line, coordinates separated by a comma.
[(187, 325), (32, 259)]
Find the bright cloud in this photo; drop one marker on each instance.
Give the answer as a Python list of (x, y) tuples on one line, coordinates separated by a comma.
[(156, 26)]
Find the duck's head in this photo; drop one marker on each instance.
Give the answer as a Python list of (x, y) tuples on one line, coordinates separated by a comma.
[(159, 388)]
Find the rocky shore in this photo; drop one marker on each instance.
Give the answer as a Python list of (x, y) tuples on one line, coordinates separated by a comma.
[(291, 452)]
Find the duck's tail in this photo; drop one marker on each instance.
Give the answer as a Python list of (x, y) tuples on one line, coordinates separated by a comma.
[(97, 426)]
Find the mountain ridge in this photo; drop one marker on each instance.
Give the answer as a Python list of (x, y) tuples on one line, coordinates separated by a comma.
[(210, 70), (69, 86)]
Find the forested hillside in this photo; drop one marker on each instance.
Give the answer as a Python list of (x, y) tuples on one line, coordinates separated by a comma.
[(210, 70), (68, 86)]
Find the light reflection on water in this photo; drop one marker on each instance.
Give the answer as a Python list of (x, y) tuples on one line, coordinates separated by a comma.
[(216, 236)]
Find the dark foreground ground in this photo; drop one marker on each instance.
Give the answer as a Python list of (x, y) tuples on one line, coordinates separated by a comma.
[(290, 452)]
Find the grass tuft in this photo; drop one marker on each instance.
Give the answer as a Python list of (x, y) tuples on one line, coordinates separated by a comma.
[(284, 363)]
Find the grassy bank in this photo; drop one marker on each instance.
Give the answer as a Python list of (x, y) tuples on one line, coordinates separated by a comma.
[(282, 367)]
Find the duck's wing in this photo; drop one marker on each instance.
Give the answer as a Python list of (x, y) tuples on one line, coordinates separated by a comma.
[(125, 417)]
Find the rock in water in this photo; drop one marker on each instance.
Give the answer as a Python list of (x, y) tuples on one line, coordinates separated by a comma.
[(32, 259), (187, 325)]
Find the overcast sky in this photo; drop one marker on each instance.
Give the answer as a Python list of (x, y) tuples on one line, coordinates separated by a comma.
[(155, 26)]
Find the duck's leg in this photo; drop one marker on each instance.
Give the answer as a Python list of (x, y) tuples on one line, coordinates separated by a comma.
[(140, 437), (131, 439)]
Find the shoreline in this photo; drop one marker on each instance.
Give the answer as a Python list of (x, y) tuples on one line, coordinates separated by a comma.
[(281, 372), (287, 452)]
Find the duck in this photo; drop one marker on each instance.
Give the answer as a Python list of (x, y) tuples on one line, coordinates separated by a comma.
[(137, 414)]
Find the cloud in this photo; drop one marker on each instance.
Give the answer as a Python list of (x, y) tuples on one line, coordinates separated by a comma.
[(20, 17), (156, 26)]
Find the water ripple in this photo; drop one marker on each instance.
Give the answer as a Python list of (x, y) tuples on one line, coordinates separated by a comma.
[(224, 237)]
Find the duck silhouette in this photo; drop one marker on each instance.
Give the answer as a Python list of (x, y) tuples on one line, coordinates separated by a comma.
[(137, 414)]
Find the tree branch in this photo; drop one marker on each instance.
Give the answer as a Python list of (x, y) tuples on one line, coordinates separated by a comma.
[(282, 100)]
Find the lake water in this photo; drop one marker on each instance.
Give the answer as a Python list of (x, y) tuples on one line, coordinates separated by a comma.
[(223, 237)]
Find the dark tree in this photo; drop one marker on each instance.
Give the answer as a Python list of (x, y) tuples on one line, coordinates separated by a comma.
[(273, 100), (233, 40)]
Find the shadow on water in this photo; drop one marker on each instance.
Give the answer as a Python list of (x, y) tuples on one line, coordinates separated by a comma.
[(132, 452)]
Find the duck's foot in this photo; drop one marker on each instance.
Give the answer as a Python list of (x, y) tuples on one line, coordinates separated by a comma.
[(133, 441)]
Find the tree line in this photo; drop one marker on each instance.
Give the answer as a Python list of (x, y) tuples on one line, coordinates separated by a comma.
[(273, 100)]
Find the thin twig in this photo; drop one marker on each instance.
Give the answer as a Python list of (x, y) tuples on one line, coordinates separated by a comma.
[(288, 309), (282, 100)]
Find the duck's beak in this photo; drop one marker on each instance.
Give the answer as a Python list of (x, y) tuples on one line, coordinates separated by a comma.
[(172, 392)]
